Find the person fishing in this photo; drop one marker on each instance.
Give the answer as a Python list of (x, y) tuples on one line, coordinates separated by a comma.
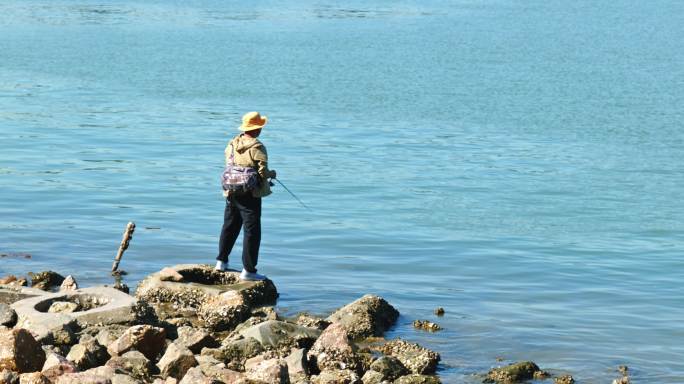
[(245, 182)]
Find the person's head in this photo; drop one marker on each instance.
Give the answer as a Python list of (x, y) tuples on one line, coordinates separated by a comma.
[(252, 122), (253, 133)]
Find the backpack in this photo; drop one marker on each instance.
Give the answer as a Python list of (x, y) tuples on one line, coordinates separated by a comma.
[(236, 178)]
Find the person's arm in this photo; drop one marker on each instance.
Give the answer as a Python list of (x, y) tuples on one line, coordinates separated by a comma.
[(261, 159)]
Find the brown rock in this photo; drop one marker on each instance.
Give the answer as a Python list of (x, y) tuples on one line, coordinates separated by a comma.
[(390, 367), (222, 374), (426, 325), (132, 363), (196, 376), (33, 378), (56, 365), (344, 376), (177, 360), (99, 375), (415, 378), (224, 312), (88, 354), (63, 307), (170, 274), (235, 353), (69, 284), (311, 321), (512, 373), (273, 371), (8, 279), (414, 357), (9, 377), (564, 379), (110, 333), (195, 339), (45, 280), (168, 380), (368, 316), (20, 352), (119, 378), (333, 350), (372, 377), (144, 338)]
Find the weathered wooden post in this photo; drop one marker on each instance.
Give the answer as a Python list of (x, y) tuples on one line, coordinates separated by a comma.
[(128, 234)]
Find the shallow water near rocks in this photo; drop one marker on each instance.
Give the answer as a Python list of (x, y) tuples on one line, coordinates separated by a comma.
[(517, 163)]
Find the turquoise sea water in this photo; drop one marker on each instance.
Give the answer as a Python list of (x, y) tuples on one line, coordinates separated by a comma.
[(517, 162)]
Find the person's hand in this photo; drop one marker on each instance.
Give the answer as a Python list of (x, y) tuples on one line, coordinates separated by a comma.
[(273, 174)]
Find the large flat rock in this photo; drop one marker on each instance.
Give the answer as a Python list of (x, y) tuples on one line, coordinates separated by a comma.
[(184, 286), (199, 282), (12, 293), (96, 306)]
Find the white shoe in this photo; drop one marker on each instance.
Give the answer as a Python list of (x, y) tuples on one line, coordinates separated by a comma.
[(251, 276), (221, 266)]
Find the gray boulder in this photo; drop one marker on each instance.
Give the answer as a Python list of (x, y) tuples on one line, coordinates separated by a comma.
[(297, 364), (12, 293), (368, 316), (7, 316), (274, 333), (98, 306)]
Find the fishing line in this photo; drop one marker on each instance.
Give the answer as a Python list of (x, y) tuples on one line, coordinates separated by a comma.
[(293, 195)]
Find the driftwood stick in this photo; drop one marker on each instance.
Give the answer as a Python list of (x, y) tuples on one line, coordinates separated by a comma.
[(128, 234)]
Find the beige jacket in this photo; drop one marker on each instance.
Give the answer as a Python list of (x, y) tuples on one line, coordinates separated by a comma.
[(250, 152)]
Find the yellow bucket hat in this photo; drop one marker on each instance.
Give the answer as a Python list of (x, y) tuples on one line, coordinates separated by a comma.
[(252, 121)]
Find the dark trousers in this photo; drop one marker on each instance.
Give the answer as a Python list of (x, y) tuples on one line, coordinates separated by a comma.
[(241, 209)]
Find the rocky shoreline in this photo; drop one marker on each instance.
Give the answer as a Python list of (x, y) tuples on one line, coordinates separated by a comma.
[(192, 324)]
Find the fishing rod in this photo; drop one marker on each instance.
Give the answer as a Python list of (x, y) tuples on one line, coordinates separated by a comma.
[(293, 195)]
